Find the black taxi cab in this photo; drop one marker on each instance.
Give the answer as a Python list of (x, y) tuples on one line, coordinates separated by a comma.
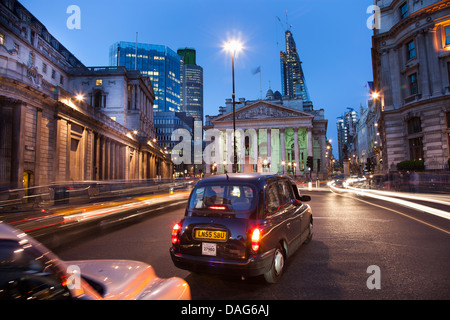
[(242, 224)]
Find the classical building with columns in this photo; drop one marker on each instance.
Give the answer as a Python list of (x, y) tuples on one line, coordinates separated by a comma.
[(270, 137), (411, 69), (63, 122)]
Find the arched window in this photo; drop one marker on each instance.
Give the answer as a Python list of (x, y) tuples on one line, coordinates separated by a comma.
[(97, 99)]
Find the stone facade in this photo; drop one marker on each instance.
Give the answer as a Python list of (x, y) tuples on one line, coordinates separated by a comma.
[(47, 135), (270, 138), (411, 64)]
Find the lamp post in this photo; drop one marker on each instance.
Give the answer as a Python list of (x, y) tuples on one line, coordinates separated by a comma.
[(233, 47)]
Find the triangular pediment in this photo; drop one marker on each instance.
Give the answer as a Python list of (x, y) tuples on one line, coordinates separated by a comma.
[(262, 110)]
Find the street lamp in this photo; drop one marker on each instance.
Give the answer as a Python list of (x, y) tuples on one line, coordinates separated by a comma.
[(375, 95), (233, 47)]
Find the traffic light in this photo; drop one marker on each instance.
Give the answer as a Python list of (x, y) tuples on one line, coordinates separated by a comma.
[(310, 162)]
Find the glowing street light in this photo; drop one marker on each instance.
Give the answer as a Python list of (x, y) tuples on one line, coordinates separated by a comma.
[(375, 95), (234, 47)]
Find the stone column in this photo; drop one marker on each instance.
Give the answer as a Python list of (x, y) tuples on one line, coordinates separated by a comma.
[(113, 160), (230, 152), (437, 86), (102, 158), (396, 91), (425, 80), (37, 154), (255, 146), (18, 145), (310, 142), (107, 161), (259, 161), (282, 145), (69, 166), (296, 151)]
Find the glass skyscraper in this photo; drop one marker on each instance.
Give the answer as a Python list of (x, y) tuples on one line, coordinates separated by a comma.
[(192, 84), (158, 62), (346, 129), (292, 76)]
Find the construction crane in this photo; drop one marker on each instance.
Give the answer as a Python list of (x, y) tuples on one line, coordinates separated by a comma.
[(285, 28)]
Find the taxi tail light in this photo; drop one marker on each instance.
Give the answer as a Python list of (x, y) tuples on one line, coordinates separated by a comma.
[(256, 239), (175, 233)]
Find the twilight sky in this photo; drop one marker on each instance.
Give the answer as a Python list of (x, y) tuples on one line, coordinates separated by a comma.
[(332, 39)]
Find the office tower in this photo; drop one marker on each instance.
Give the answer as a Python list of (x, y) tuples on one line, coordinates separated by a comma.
[(292, 77), (191, 84), (158, 62), (346, 129)]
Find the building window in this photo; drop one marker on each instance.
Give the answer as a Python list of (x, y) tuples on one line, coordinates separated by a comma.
[(414, 125), (413, 87), (447, 35), (404, 10), (416, 149), (61, 80), (448, 119), (2, 39), (31, 59), (448, 71), (411, 47), (98, 99), (99, 82), (53, 74), (44, 68)]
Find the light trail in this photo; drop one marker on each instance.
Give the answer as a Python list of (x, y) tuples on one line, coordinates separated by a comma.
[(390, 197)]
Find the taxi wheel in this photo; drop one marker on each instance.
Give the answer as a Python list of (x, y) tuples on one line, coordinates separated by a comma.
[(310, 233), (276, 270)]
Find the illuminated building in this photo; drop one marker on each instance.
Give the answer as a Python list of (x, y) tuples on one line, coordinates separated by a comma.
[(411, 69), (51, 130), (191, 84), (160, 63)]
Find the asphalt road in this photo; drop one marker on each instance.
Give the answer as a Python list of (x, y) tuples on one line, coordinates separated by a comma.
[(409, 251)]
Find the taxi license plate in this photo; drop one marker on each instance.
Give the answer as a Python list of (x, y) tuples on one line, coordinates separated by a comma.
[(211, 235)]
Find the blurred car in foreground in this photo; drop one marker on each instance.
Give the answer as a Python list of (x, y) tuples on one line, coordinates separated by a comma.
[(242, 224), (29, 271)]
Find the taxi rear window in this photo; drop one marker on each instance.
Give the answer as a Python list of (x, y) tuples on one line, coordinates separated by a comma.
[(223, 198)]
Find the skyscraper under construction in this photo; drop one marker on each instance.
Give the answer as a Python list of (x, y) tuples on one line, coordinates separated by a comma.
[(292, 77)]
